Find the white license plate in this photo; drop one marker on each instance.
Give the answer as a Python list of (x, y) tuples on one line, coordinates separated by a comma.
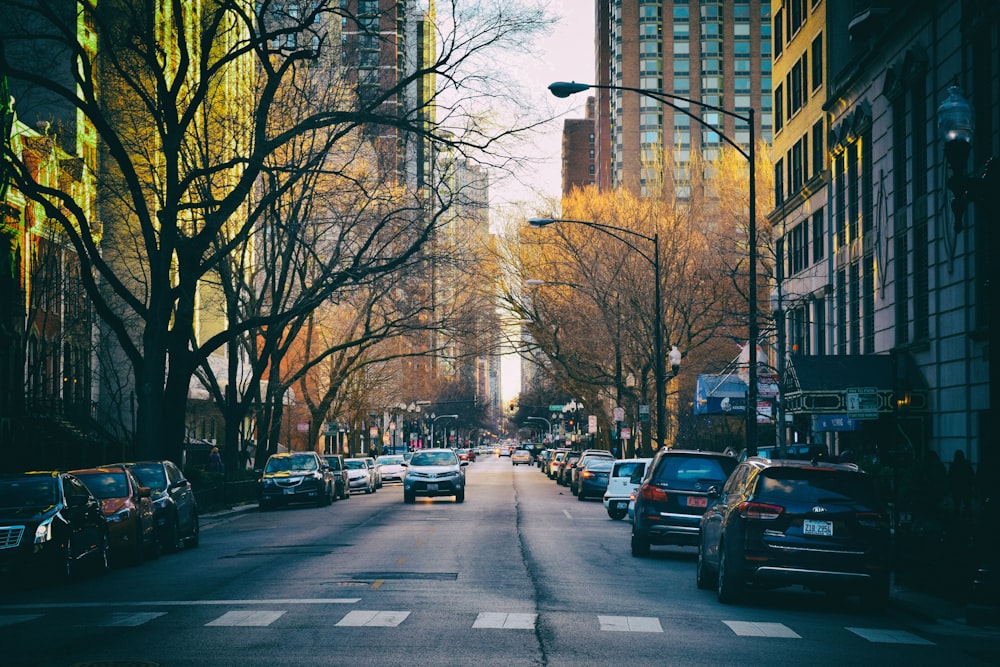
[(432, 487), (621, 504), (289, 492), (821, 528)]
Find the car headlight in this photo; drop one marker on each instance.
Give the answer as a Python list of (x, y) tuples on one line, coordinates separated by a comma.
[(120, 516), (44, 532)]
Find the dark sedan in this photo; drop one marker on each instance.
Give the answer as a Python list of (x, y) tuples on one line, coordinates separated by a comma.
[(593, 476), (50, 521), (128, 510), (174, 505)]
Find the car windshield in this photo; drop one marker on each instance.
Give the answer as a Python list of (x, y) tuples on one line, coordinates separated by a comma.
[(333, 462), (434, 459), (151, 475), (290, 463), (812, 485), (389, 460), (105, 484), (356, 464), (598, 464), (628, 468), (693, 469), (40, 492)]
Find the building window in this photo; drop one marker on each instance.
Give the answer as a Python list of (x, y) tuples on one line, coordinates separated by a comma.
[(854, 298), (779, 106), (818, 148), (840, 193), (921, 287), (901, 279), (779, 181), (841, 288), (818, 235), (868, 304), (779, 33), (817, 62)]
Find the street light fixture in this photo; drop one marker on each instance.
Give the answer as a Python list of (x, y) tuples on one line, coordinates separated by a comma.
[(565, 89), (435, 420), (544, 420), (658, 355)]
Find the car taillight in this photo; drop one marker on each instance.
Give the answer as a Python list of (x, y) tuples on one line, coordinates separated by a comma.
[(652, 493), (760, 511), (873, 520)]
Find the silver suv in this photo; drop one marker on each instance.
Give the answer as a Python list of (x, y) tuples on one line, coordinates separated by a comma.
[(434, 472)]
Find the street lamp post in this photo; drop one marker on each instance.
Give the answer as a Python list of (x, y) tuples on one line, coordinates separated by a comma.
[(547, 422), (658, 353), (565, 89), (435, 420)]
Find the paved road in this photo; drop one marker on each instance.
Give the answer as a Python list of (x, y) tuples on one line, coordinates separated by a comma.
[(520, 574)]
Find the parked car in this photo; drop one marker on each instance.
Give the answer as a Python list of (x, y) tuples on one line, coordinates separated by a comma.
[(391, 467), (520, 457), (566, 468), (673, 496), (543, 458), (783, 523), (552, 469), (625, 477), (373, 470), (341, 485), (359, 476), (296, 477), (593, 477), (128, 510), (50, 525), (466, 454), (175, 507), (574, 480), (434, 472)]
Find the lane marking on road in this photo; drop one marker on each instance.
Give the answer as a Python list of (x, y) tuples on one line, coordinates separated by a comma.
[(496, 619), (630, 624), (377, 584), (13, 619), (177, 603), (881, 636), (373, 619), (752, 629), (247, 618), (568, 515), (129, 619)]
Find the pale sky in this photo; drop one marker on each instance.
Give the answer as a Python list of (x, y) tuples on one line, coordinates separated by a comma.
[(567, 54)]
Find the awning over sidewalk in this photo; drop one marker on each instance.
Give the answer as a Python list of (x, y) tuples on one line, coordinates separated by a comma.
[(825, 384)]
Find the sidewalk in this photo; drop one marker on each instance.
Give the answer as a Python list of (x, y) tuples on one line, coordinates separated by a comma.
[(935, 608)]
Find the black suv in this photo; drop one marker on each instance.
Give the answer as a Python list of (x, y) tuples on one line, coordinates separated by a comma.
[(673, 496), (782, 523), (296, 477)]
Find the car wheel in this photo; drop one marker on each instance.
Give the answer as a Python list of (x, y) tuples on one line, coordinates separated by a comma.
[(172, 539), (640, 546), (103, 557), (460, 496), (702, 577), (580, 495), (728, 585), (191, 540), (617, 514), (408, 497)]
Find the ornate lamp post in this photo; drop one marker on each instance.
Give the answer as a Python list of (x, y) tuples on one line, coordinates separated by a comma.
[(435, 420), (565, 89)]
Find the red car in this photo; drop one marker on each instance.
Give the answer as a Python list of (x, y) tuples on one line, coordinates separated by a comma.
[(127, 509)]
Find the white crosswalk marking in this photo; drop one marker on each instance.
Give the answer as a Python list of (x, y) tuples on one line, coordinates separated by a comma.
[(880, 636), (370, 619), (129, 619), (629, 624), (751, 629), (492, 619), (17, 618), (247, 618)]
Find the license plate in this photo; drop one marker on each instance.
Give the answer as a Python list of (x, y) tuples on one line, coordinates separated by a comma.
[(621, 504), (432, 487), (821, 528), (289, 492), (697, 501)]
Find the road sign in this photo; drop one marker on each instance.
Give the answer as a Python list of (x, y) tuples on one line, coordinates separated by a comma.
[(592, 424), (619, 414), (625, 433), (555, 408), (861, 402), (644, 413)]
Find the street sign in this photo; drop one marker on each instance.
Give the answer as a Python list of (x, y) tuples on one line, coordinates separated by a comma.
[(644, 413), (302, 427), (619, 414), (555, 408), (625, 433), (861, 402), (592, 424)]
